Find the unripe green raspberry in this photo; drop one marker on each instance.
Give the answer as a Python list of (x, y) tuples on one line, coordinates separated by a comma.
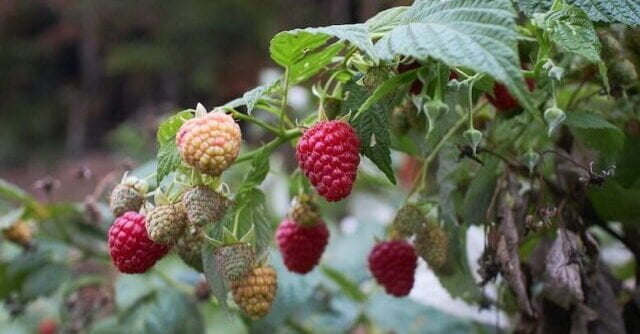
[(165, 223), (304, 211), (235, 261), (409, 220), (137, 183), (125, 197), (405, 117), (432, 244), (189, 247), (204, 205), (210, 143)]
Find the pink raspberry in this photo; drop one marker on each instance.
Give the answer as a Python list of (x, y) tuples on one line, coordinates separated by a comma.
[(131, 249), (328, 155), (301, 246), (393, 264), (209, 143)]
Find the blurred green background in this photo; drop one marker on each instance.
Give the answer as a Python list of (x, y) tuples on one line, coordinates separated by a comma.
[(79, 78), (83, 85)]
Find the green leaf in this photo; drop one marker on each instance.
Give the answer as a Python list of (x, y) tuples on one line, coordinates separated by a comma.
[(611, 11), (628, 163), (612, 202), (253, 214), (587, 120), (214, 275), (479, 35), (571, 29), (457, 277), (168, 155), (168, 160), (287, 48), (356, 34), (372, 127), (302, 53), (251, 98), (168, 129), (11, 191), (173, 313), (623, 11), (45, 280), (385, 20), (11, 217), (409, 315), (313, 63), (529, 7), (387, 87), (597, 133), (347, 286), (478, 196), (257, 174)]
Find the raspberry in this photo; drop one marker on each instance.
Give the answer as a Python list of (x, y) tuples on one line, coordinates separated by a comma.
[(416, 85), (432, 244), (189, 247), (235, 261), (125, 197), (502, 99), (130, 247), (165, 223), (409, 220), (204, 205), (19, 232), (405, 117), (255, 293), (304, 211), (375, 76), (209, 143), (393, 264), (328, 156), (48, 326), (301, 246)]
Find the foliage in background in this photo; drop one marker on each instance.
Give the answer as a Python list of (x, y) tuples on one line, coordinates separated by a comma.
[(550, 181)]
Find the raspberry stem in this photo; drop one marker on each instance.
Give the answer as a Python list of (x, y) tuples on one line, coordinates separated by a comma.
[(285, 92), (283, 138), (254, 120)]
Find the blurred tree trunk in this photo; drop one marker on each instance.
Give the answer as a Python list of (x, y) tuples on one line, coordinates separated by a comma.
[(87, 102)]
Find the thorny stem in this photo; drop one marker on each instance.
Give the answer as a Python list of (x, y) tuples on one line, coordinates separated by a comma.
[(283, 138), (422, 176), (575, 93), (565, 158), (274, 111), (254, 120), (285, 92)]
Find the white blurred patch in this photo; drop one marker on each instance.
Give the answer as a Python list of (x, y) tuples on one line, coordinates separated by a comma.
[(349, 225), (268, 75), (369, 208), (298, 97), (428, 290)]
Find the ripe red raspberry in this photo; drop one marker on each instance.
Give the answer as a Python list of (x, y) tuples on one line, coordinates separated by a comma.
[(301, 246), (48, 326), (502, 99), (393, 264), (210, 143), (416, 85), (328, 156), (130, 247)]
